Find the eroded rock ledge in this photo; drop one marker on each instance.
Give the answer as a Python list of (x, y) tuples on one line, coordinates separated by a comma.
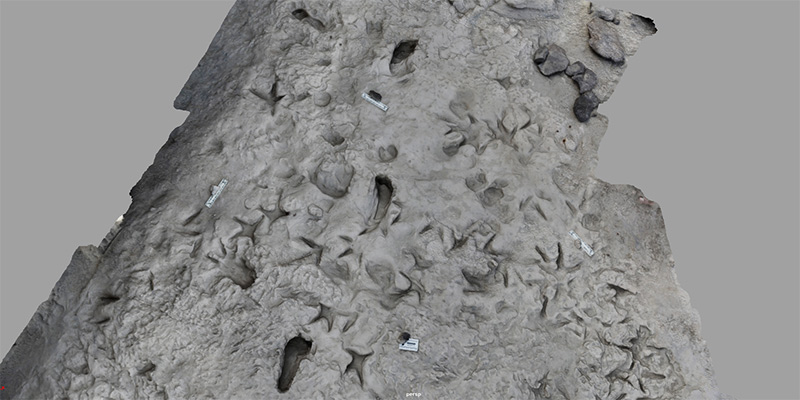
[(381, 171)]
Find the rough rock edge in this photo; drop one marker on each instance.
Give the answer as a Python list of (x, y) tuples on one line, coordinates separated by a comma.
[(41, 336)]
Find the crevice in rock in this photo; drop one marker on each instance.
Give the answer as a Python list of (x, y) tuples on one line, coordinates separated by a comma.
[(458, 241), (247, 230), (619, 290), (336, 271), (539, 210), (403, 50), (192, 217), (147, 370), (572, 208), (302, 15), (108, 298), (273, 213), (542, 254), (383, 193), (560, 258), (477, 282), (272, 97), (325, 313), (543, 312), (357, 365), (296, 350), (504, 82), (346, 252), (196, 247), (243, 275), (316, 249)]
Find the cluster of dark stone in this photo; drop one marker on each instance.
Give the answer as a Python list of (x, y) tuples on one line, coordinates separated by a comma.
[(552, 60)]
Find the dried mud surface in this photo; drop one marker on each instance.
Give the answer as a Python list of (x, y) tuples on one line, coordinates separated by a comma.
[(343, 226)]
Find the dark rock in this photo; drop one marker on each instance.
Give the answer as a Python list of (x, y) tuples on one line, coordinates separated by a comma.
[(585, 81), (604, 40), (575, 68), (585, 104), (556, 61), (540, 55)]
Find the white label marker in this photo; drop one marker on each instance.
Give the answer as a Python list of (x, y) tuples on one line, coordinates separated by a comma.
[(215, 192), (374, 102), (584, 246), (410, 345)]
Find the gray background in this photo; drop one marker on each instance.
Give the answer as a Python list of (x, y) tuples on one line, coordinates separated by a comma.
[(705, 122)]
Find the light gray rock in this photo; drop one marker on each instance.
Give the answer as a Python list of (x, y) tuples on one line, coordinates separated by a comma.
[(333, 175), (466, 216), (605, 41), (540, 5), (604, 13)]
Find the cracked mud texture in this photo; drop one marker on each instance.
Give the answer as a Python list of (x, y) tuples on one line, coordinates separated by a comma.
[(343, 227)]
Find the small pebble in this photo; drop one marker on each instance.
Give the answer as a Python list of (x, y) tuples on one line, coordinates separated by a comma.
[(322, 99)]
